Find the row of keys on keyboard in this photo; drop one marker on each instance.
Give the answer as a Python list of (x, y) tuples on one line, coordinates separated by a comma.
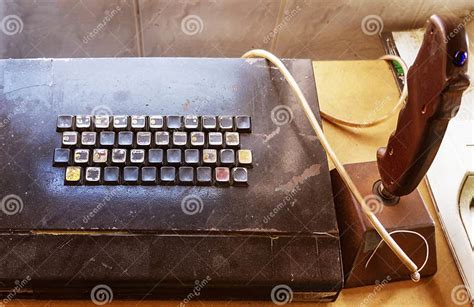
[(150, 175), (153, 123), (138, 149), (149, 139), (154, 156)]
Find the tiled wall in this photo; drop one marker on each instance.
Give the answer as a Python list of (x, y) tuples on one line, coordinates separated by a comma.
[(317, 29)]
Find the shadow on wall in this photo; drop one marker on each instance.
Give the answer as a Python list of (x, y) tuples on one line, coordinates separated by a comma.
[(316, 29)]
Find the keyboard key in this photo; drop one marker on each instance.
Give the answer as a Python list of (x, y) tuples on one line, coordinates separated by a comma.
[(239, 176), (107, 138), (209, 122), (162, 138), (83, 122), (191, 156), (226, 123), (180, 138), (137, 156), (191, 122), (168, 174), (100, 156), (125, 138), (244, 157), (227, 157), (92, 175), (70, 138), (155, 156), (102, 122), (121, 122), (232, 139), (88, 138), (174, 122), (119, 155), (215, 139), (173, 156), (209, 156), (130, 175), (156, 122), (243, 123), (148, 175), (143, 138), (197, 138), (65, 122), (73, 175), (186, 175), (204, 175), (138, 122), (222, 175), (81, 156), (61, 156), (111, 175)]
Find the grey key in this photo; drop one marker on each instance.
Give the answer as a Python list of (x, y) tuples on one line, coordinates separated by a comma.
[(232, 139), (143, 138), (83, 122), (215, 139), (209, 122), (173, 156), (65, 122), (226, 123), (92, 175), (88, 138), (180, 138), (191, 156), (204, 175), (70, 138), (156, 122), (107, 138), (111, 175), (137, 156), (130, 175), (162, 138), (119, 155), (186, 175), (168, 175), (243, 123), (102, 122), (148, 175), (138, 122), (121, 122), (240, 176), (125, 138), (197, 138), (100, 155), (191, 122), (155, 156), (61, 156), (209, 156), (81, 156), (174, 122), (227, 157)]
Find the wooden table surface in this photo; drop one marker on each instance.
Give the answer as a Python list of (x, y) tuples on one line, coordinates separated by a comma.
[(356, 90)]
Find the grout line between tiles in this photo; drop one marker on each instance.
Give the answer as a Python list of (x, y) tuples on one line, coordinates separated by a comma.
[(138, 27), (281, 11)]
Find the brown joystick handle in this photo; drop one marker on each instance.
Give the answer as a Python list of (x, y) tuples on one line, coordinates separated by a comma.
[(436, 82)]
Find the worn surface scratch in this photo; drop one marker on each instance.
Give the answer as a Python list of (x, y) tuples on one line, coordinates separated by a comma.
[(311, 171)]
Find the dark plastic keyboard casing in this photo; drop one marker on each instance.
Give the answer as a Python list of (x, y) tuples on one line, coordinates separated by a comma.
[(281, 229)]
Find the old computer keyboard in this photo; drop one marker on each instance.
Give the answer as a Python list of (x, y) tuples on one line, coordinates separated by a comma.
[(138, 149), (148, 175)]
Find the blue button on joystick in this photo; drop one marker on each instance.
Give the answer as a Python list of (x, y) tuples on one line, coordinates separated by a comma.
[(460, 57)]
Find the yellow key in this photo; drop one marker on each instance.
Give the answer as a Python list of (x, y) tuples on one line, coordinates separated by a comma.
[(73, 174), (244, 156)]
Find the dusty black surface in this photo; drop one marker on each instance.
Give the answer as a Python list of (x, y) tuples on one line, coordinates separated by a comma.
[(139, 240)]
